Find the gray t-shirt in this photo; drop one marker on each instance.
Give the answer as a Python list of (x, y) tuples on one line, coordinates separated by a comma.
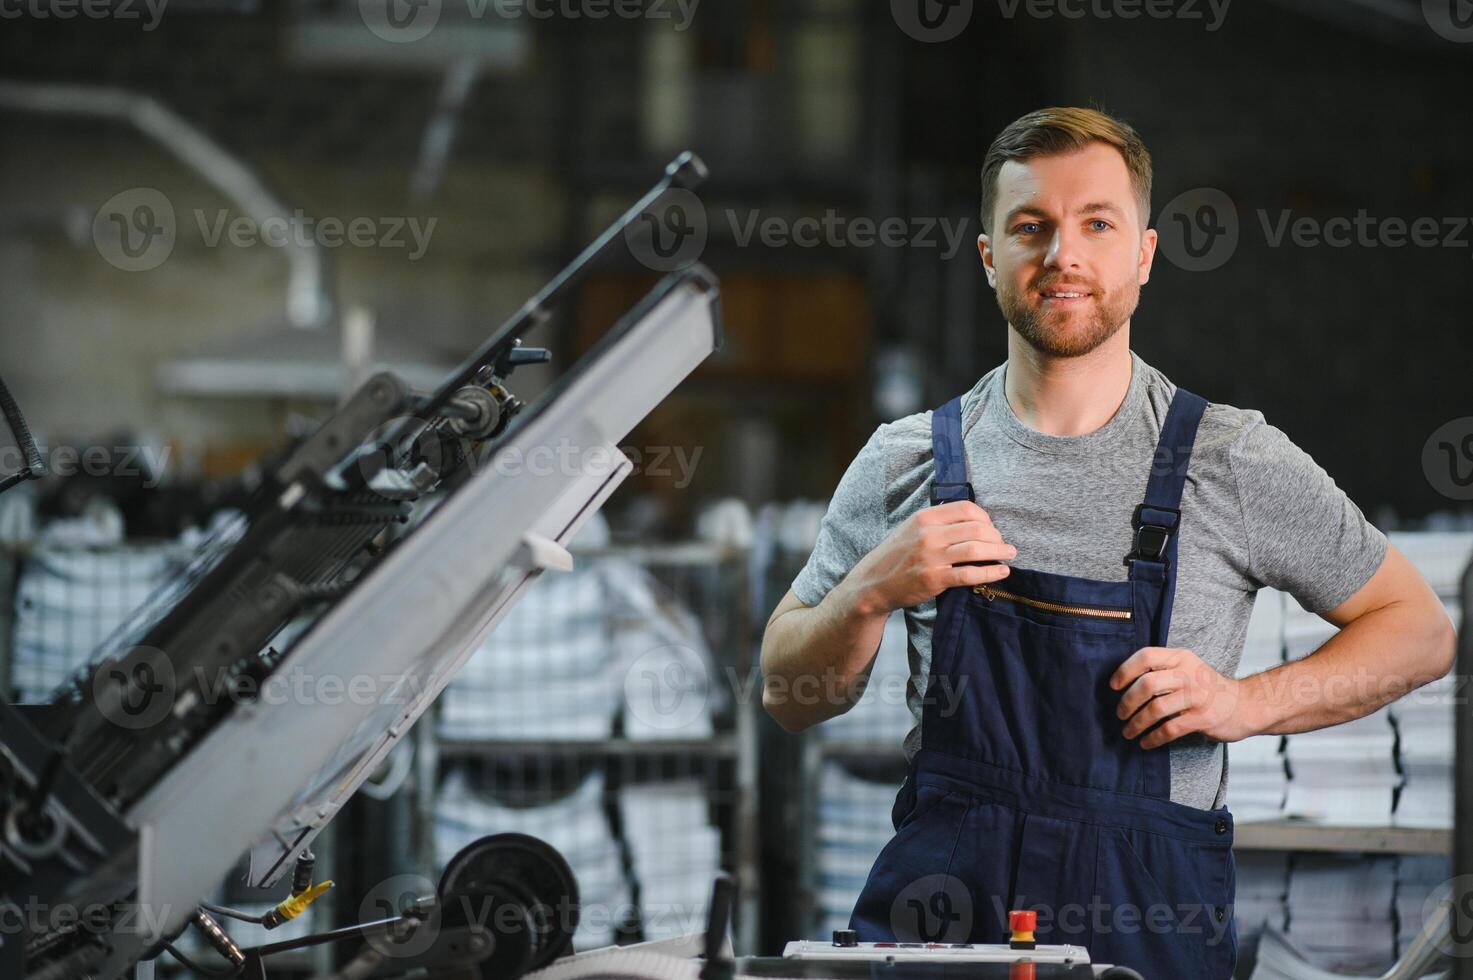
[(1256, 511)]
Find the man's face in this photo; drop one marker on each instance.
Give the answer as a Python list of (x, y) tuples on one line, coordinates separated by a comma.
[(1067, 254)]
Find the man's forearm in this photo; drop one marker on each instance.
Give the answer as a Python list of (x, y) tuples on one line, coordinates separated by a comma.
[(1371, 662), (815, 658)]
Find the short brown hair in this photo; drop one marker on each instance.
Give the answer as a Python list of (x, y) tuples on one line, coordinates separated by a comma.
[(1065, 129)]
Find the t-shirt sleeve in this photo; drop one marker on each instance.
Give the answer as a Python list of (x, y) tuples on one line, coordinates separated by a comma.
[(852, 526), (1304, 535)]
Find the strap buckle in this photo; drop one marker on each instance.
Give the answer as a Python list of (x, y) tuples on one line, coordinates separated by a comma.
[(937, 487), (1151, 539)]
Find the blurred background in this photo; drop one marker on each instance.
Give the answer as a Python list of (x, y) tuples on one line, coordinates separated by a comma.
[(216, 216)]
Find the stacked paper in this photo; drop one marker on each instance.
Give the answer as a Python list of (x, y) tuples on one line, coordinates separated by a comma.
[(667, 676), (1425, 728), (1344, 775), (576, 825), (1257, 779), (881, 715), (1425, 719), (580, 648), (853, 825), (676, 854), (1262, 893), (1419, 878), (1340, 911), (546, 671)]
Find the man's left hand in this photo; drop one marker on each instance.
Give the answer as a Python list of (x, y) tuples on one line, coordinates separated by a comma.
[(1174, 687)]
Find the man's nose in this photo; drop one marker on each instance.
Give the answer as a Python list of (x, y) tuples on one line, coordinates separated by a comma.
[(1064, 249)]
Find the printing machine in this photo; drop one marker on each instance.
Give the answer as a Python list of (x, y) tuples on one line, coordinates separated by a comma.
[(385, 546)]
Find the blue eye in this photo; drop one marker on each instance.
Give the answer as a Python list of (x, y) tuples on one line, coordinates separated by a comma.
[(1028, 227), (1101, 224)]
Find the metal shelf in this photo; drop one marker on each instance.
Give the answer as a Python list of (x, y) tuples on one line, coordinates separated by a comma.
[(721, 746), (1303, 835)]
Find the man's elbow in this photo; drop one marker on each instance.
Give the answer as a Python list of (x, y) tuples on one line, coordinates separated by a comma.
[(781, 710), (1444, 644)]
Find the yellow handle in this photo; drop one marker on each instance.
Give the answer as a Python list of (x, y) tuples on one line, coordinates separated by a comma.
[(297, 904)]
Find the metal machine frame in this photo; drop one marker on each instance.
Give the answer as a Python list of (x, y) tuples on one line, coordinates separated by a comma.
[(399, 533)]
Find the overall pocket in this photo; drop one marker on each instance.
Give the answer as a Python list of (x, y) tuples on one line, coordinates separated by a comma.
[(1167, 905)]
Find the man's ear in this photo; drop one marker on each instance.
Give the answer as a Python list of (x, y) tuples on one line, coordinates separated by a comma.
[(1147, 256), (984, 248)]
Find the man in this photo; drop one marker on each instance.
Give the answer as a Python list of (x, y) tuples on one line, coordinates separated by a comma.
[(1044, 533)]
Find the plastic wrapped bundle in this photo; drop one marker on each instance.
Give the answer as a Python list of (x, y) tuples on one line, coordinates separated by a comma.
[(675, 851), (853, 826), (545, 672)]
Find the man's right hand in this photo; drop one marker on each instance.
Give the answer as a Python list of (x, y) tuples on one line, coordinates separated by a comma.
[(814, 659), (928, 554)]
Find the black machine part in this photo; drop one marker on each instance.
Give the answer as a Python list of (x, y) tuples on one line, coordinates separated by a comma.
[(511, 871), (32, 467)]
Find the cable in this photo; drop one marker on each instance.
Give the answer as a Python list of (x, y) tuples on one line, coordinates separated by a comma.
[(201, 970), (231, 913)]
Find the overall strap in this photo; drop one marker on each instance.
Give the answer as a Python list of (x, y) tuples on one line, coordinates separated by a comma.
[(1152, 558), (1158, 516), (950, 455)]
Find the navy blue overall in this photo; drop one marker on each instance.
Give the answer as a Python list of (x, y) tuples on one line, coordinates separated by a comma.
[(1025, 794)]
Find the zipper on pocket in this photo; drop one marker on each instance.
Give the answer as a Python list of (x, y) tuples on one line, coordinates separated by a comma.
[(1089, 612)]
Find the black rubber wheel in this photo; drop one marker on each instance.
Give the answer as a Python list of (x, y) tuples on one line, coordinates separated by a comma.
[(522, 868)]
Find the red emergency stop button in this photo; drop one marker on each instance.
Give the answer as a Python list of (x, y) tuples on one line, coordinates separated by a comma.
[(1022, 922)]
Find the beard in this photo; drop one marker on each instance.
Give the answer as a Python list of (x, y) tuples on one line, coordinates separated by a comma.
[(1067, 333)]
